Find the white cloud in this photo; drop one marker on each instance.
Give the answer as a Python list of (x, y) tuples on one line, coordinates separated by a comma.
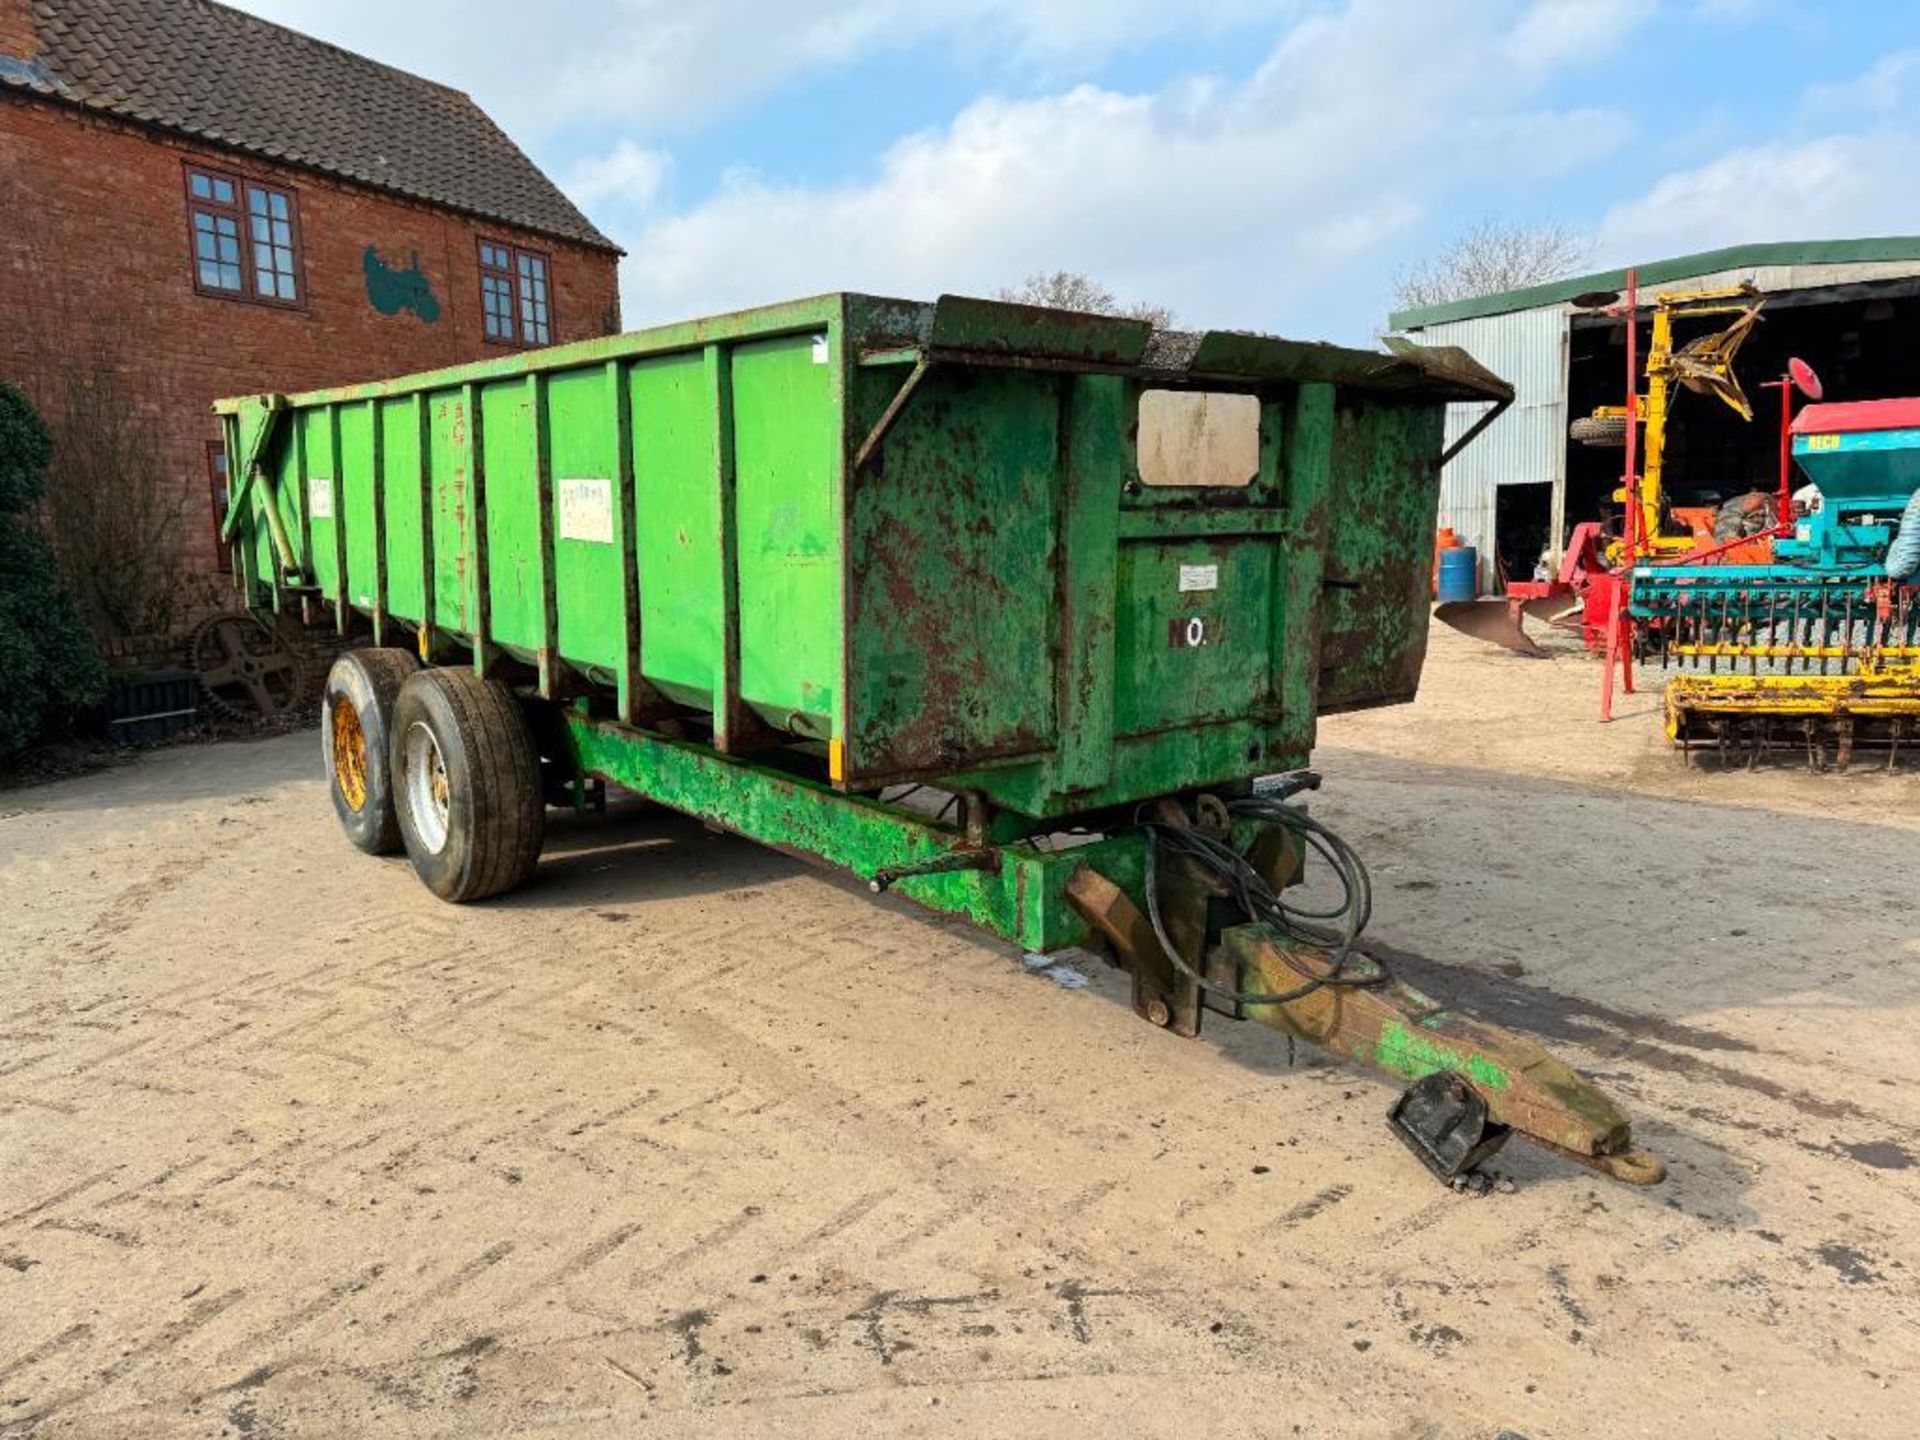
[(1258, 204), (1825, 189), (1280, 200), (1560, 31), (628, 175), (1721, 11), (664, 65), (1886, 90), (1836, 173)]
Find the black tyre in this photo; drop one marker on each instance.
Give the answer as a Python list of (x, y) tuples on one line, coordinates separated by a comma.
[(1743, 517), (356, 722), (1599, 430), (467, 784)]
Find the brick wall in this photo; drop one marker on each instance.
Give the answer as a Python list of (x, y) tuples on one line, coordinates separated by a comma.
[(94, 264)]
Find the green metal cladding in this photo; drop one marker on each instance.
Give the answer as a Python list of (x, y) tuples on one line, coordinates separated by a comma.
[(914, 537)]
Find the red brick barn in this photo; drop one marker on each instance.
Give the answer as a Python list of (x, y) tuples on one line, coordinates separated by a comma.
[(196, 203)]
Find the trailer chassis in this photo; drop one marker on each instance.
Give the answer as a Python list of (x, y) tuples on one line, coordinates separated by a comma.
[(1472, 1082)]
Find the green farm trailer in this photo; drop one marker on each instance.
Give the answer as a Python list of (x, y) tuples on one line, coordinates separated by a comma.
[(1005, 609)]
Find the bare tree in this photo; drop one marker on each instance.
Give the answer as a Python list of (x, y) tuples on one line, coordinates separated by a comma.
[(114, 515), (1070, 290), (1492, 256)]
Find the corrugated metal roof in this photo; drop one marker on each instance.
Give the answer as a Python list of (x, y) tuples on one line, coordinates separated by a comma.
[(208, 71), (1888, 248)]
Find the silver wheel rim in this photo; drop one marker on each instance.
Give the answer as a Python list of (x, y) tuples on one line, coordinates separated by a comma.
[(326, 732), (426, 787)]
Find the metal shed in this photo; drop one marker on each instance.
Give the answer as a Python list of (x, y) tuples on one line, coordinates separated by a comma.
[(1517, 491)]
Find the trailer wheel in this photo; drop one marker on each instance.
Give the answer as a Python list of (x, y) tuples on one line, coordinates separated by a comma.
[(1601, 431), (467, 784), (356, 719)]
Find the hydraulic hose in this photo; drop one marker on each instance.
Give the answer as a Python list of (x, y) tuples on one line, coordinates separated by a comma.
[(1332, 932)]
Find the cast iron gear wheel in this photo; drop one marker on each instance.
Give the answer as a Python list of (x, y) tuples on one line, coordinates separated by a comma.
[(247, 670)]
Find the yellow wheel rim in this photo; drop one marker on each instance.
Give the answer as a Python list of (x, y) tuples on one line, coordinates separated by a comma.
[(349, 755)]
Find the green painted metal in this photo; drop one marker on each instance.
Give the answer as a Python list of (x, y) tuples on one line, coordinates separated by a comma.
[(915, 536), (1376, 557), (787, 469), (1022, 898), (1029, 332), (1414, 1057), (755, 568)]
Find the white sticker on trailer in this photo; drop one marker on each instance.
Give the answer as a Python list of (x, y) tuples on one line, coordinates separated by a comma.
[(586, 511), (320, 497), (1199, 577)]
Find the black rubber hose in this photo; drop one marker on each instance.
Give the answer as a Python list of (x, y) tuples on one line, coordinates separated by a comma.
[(1331, 931)]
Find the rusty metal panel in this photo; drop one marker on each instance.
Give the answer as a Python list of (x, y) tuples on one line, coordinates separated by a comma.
[(1032, 332), (954, 540), (1373, 610)]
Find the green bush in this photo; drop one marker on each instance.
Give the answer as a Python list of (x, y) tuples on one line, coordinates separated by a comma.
[(48, 665)]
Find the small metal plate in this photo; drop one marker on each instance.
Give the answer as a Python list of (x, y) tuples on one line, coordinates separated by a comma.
[(1199, 438)]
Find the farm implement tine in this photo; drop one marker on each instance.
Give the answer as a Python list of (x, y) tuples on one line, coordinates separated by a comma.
[(1557, 612), (1495, 621), (1496, 1081)]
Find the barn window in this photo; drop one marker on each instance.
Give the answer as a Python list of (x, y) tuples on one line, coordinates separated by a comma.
[(516, 302), (245, 237), (270, 219)]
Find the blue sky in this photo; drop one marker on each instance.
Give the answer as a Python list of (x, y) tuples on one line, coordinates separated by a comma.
[(1256, 164)]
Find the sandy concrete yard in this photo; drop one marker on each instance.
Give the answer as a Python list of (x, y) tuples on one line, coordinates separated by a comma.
[(686, 1139)]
